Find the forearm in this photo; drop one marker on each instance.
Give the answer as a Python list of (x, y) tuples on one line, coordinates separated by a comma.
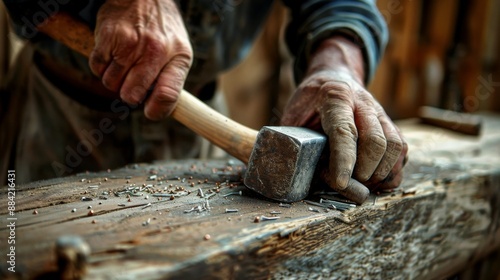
[(339, 54), (316, 20)]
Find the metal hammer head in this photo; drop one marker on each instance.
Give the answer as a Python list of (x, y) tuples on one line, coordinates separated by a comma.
[(283, 162)]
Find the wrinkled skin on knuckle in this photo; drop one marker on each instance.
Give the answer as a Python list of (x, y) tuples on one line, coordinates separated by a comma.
[(369, 155), (375, 151), (377, 144), (344, 129), (155, 46), (385, 166), (394, 147), (133, 96), (338, 92)]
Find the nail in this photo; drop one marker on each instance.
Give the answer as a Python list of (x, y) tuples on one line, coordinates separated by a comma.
[(331, 206), (343, 180), (338, 203), (264, 218), (232, 210), (313, 210), (233, 193)]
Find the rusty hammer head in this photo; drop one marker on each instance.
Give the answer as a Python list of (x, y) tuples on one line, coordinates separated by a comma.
[(283, 162)]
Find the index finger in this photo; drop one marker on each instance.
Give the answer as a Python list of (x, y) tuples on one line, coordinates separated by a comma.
[(169, 84), (337, 119)]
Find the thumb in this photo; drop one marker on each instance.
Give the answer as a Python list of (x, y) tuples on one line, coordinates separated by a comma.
[(169, 84), (354, 191)]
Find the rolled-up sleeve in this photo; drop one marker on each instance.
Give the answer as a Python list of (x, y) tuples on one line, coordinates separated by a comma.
[(316, 20)]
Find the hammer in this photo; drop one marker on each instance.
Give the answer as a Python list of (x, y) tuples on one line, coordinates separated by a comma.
[(281, 160)]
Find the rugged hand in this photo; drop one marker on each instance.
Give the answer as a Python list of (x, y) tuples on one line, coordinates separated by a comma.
[(139, 43), (365, 145)]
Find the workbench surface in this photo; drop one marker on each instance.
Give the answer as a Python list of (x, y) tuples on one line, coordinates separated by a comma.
[(443, 217)]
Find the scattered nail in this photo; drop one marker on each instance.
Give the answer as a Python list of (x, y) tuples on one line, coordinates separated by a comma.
[(233, 193), (285, 205), (339, 205), (86, 198), (94, 221), (35, 212), (152, 177), (207, 237), (89, 207), (93, 187), (264, 218), (275, 212), (90, 213), (146, 222), (146, 206), (313, 210), (73, 210), (232, 210)]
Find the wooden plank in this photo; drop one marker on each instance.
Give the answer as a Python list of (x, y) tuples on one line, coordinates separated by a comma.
[(444, 217)]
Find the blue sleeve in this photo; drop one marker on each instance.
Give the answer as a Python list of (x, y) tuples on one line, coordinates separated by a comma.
[(315, 20)]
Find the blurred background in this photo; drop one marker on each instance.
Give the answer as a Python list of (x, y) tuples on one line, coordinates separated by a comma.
[(441, 53)]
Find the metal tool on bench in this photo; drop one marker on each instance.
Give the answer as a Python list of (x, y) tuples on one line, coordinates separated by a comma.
[(455, 121), (281, 160)]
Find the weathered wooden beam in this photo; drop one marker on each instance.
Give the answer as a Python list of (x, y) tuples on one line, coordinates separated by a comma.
[(444, 217)]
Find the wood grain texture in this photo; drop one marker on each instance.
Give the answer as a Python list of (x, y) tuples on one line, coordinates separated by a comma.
[(443, 218)]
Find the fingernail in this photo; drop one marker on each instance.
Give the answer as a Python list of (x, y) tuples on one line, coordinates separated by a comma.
[(343, 180)]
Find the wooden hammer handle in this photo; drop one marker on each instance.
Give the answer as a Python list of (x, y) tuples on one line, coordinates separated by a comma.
[(232, 137)]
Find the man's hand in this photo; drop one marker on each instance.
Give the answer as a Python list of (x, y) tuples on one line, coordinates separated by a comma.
[(365, 145), (139, 43)]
